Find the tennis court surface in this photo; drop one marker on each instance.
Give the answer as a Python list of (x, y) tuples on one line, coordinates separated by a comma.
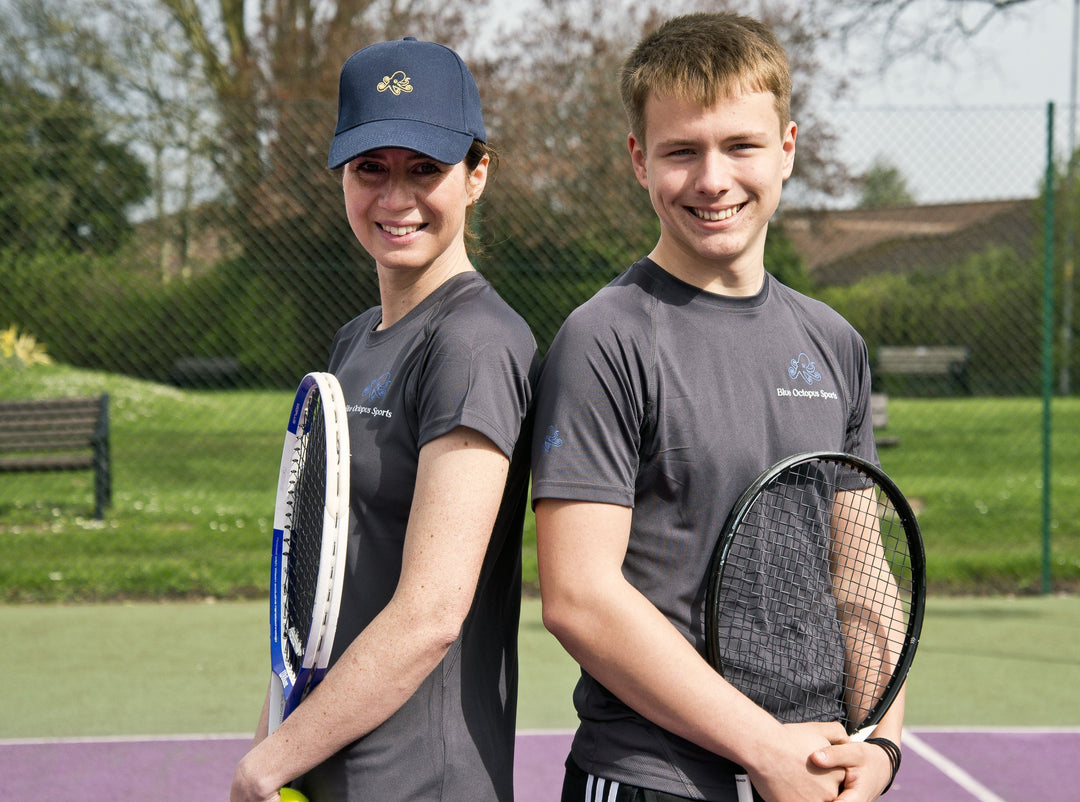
[(940, 765)]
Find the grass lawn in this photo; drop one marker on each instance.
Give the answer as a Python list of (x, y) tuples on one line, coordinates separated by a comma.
[(194, 478)]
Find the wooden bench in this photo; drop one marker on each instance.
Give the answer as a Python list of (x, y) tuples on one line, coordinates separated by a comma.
[(205, 372), (68, 434), (947, 361), (879, 410)]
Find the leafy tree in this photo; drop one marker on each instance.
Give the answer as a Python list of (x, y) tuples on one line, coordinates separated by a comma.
[(129, 65), (66, 184), (882, 186), (784, 262)]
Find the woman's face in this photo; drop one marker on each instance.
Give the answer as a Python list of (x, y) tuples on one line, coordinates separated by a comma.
[(408, 210)]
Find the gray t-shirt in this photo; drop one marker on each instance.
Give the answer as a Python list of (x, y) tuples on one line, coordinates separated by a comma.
[(658, 396), (462, 357)]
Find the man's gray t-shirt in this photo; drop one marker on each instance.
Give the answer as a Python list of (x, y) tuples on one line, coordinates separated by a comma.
[(462, 357), (661, 397)]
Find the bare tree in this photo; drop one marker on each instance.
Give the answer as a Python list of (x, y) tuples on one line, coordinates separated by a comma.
[(565, 205), (561, 118), (162, 104), (272, 67), (904, 28)]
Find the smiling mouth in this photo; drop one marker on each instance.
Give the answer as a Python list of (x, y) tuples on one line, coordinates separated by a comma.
[(399, 231), (712, 216)]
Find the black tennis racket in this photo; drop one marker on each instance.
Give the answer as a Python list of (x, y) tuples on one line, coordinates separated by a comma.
[(816, 592), (311, 521)]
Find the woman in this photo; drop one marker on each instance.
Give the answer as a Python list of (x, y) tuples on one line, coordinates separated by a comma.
[(419, 702)]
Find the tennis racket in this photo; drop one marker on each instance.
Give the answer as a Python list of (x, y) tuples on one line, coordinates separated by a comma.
[(311, 521), (816, 591)]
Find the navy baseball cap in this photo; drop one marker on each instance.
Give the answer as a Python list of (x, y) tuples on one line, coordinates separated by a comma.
[(406, 94)]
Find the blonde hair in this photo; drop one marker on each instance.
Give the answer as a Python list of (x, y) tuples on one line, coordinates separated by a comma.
[(704, 58)]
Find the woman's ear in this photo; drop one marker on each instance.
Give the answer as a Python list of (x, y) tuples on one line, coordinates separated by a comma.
[(477, 179)]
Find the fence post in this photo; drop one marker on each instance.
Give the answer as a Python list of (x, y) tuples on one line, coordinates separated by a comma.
[(1048, 344)]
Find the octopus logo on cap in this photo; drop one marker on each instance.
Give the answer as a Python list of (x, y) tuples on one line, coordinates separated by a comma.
[(397, 83)]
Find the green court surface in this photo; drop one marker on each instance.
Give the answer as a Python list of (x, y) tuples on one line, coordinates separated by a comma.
[(170, 668)]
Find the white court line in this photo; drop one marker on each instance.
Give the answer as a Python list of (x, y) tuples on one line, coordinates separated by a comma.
[(949, 769), (1000, 729), (569, 731), (122, 739)]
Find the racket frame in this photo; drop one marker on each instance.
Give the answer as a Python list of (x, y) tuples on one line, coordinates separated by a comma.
[(287, 690), (917, 555)]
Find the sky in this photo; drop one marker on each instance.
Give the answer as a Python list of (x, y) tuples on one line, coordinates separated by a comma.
[(975, 129), (1022, 57)]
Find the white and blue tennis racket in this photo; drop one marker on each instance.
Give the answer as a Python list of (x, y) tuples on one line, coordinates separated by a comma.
[(311, 522)]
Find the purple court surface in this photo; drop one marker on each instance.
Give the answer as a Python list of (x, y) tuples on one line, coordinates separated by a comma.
[(940, 765)]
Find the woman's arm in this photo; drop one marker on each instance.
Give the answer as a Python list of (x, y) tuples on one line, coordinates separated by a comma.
[(459, 487)]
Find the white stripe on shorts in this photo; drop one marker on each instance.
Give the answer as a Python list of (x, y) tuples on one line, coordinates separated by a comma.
[(595, 789)]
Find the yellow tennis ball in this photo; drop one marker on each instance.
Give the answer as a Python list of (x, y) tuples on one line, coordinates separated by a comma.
[(292, 795)]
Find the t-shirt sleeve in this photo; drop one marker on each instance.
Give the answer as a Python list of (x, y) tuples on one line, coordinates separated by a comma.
[(860, 432), (476, 378), (589, 411)]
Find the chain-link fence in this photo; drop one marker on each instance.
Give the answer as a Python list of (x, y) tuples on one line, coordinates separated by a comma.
[(220, 258)]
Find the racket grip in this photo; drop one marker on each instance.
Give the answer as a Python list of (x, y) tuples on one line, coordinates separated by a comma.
[(277, 703), (864, 733)]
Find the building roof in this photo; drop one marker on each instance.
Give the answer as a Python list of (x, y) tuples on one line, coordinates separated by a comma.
[(842, 246)]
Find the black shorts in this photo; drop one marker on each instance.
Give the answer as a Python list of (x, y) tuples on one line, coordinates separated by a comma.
[(578, 786)]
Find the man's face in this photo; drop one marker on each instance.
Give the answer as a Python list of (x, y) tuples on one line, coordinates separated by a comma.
[(714, 177)]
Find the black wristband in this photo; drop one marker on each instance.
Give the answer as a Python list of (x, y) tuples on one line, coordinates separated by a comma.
[(893, 751)]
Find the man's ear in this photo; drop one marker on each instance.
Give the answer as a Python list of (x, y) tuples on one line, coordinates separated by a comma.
[(788, 145), (637, 158)]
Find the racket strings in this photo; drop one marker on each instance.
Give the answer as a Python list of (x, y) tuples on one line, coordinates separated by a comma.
[(811, 610), (775, 599), (303, 531), (873, 576)]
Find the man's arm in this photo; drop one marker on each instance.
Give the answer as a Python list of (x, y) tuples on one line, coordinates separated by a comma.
[(862, 572), (459, 486), (619, 637)]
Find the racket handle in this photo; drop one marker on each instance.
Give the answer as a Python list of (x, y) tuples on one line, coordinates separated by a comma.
[(863, 734), (743, 787), (277, 703)]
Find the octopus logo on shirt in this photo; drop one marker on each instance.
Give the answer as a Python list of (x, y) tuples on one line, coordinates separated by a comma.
[(376, 391), (802, 367), (552, 439)]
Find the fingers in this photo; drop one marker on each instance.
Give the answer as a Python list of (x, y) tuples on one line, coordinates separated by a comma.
[(840, 755)]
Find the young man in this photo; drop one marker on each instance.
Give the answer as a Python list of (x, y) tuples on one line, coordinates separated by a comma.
[(660, 400)]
